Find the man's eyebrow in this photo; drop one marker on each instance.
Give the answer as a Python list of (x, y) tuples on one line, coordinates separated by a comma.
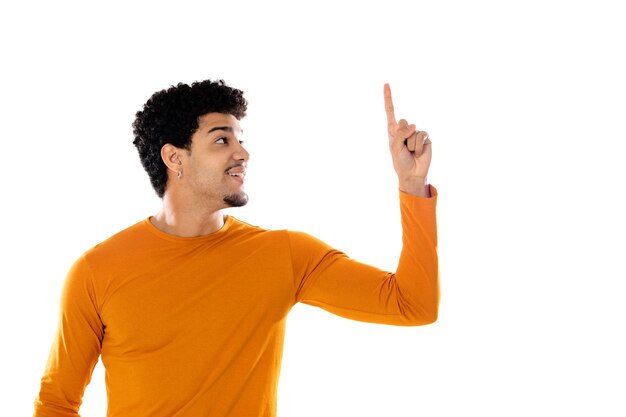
[(225, 128)]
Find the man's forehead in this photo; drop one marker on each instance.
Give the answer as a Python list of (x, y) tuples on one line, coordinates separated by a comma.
[(214, 121)]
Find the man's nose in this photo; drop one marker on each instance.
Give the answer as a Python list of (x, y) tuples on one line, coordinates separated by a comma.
[(241, 154)]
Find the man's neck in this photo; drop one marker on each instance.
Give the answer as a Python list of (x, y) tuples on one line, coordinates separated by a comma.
[(187, 220)]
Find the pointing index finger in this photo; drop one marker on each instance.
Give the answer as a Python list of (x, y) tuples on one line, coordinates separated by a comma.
[(391, 117)]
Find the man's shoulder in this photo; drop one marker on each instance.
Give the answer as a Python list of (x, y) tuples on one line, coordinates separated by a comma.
[(123, 240), (240, 229)]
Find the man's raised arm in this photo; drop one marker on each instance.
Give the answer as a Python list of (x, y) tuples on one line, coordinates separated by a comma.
[(329, 279)]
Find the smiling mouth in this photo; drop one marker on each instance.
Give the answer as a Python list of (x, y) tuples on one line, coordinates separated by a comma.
[(237, 171)]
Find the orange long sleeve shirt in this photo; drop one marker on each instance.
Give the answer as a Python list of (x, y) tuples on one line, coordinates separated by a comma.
[(193, 327)]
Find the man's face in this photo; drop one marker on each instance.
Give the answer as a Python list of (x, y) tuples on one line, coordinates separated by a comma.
[(216, 165)]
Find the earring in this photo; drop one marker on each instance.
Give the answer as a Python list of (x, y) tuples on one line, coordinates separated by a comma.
[(179, 174)]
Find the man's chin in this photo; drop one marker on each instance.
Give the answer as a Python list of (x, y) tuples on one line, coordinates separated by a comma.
[(236, 200)]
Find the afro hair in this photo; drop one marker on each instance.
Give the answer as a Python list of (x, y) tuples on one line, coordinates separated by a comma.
[(171, 116)]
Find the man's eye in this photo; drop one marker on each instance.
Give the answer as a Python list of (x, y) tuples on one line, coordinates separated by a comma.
[(222, 140)]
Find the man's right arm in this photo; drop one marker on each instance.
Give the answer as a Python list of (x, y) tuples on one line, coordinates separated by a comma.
[(75, 349)]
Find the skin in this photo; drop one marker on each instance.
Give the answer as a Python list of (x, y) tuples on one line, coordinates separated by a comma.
[(200, 186), (411, 151), (194, 199)]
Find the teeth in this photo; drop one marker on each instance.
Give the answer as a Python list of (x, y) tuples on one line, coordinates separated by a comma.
[(241, 174)]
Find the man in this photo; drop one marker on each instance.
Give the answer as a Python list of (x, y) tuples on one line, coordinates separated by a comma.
[(188, 307)]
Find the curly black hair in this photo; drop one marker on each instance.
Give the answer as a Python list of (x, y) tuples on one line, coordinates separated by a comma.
[(171, 116)]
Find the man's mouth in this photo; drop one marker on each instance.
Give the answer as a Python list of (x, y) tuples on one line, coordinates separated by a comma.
[(238, 172)]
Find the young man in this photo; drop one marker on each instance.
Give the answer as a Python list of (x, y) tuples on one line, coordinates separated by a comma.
[(188, 307)]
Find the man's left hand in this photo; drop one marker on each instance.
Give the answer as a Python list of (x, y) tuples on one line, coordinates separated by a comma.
[(411, 151)]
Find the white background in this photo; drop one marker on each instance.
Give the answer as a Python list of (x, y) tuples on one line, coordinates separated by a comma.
[(525, 104)]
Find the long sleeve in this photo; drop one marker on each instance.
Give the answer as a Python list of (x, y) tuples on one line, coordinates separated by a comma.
[(75, 349), (329, 279)]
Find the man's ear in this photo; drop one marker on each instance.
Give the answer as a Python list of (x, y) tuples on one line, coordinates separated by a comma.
[(172, 158)]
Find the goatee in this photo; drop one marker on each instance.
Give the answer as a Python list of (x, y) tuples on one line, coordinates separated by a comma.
[(236, 200)]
